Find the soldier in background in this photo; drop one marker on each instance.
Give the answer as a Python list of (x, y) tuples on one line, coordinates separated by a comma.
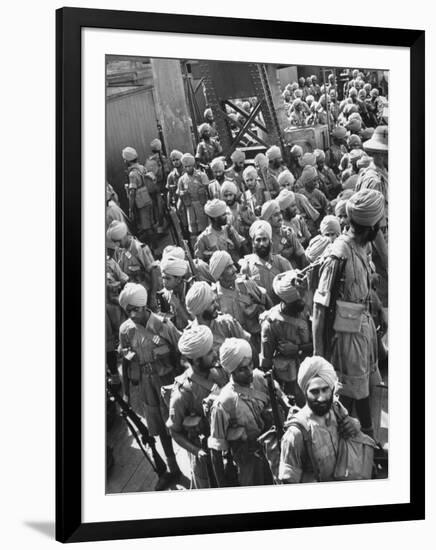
[(236, 169), (171, 298), (209, 147)]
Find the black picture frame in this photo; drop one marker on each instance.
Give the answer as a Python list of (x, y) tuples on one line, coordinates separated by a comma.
[(69, 23)]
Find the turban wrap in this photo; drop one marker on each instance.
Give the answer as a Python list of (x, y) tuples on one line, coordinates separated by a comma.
[(229, 187), (273, 153), (208, 113), (366, 207), (156, 145), (316, 367), (354, 115), (215, 208), (285, 198), (173, 266), (339, 132), (309, 98), (219, 260), (354, 141), (330, 224), (286, 178), (297, 151), (309, 159), (308, 175), (356, 154), (129, 154), (203, 272), (232, 352), (269, 208), (367, 134), (237, 156), (352, 92), (174, 251), (260, 226), (283, 286), (364, 162), (116, 231), (196, 341), (217, 164), (249, 171), (199, 297), (176, 155), (261, 160), (354, 125), (188, 160), (133, 295), (319, 155), (204, 128), (316, 247), (340, 209)]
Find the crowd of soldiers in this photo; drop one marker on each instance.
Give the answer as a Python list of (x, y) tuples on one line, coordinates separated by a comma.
[(271, 283)]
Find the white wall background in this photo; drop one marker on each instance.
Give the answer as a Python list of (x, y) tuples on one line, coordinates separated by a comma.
[(27, 136)]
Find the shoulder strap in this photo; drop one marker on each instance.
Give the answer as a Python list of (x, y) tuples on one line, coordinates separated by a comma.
[(307, 438), (204, 383)]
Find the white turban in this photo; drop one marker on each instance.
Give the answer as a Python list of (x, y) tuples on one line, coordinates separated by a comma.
[(199, 297), (316, 247), (156, 145), (196, 341), (133, 295), (116, 231), (261, 160), (330, 224), (219, 260), (229, 187), (203, 128), (273, 153), (174, 251), (309, 159), (176, 155), (250, 170), (217, 164), (215, 208), (260, 226), (366, 207), (340, 208), (237, 156), (174, 266), (316, 367), (319, 154), (296, 151), (285, 198), (129, 154), (188, 160), (269, 208), (283, 286), (286, 178), (232, 352)]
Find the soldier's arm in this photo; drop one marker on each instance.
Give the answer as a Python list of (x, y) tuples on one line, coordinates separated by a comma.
[(292, 456), (267, 346), (321, 301), (219, 423), (178, 410)]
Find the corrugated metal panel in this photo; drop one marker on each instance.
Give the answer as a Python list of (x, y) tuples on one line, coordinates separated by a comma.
[(130, 121)]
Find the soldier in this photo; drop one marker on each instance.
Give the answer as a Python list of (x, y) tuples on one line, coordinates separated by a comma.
[(341, 214), (275, 167), (296, 158), (209, 119), (171, 298), (214, 188), (209, 147), (161, 164), (239, 217), (284, 240), (300, 463), (202, 380), (376, 175), (174, 176), (307, 185), (262, 266), (350, 340), (218, 235), (337, 149), (202, 304), (327, 181), (254, 196), (140, 190), (239, 416), (113, 211), (291, 218), (235, 172), (192, 195), (148, 343), (135, 260), (286, 337), (240, 297)]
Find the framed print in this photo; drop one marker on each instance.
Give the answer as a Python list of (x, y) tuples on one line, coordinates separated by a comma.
[(231, 259)]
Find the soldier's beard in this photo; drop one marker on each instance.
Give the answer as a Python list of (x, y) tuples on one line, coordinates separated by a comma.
[(320, 409), (262, 251)]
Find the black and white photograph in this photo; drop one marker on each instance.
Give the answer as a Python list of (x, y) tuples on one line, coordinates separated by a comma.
[(247, 229)]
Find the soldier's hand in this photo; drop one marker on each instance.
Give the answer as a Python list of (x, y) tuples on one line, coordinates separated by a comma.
[(288, 349), (201, 455), (348, 427)]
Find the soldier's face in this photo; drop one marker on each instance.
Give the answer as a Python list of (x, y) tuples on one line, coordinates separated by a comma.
[(211, 312), (189, 169), (292, 210), (276, 163), (331, 235), (319, 396), (243, 374), (221, 220), (208, 361), (276, 219), (239, 165), (261, 245), (170, 282), (177, 163), (137, 314), (218, 174), (228, 276), (229, 198), (250, 181)]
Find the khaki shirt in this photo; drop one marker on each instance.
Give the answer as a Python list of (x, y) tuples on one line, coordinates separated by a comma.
[(211, 240), (263, 272)]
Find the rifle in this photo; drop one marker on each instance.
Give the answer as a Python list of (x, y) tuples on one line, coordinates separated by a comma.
[(330, 313), (135, 424), (175, 222), (277, 419), (209, 468)]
